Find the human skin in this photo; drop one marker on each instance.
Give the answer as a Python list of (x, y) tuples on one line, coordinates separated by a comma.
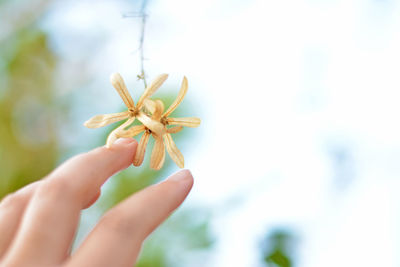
[(38, 223)]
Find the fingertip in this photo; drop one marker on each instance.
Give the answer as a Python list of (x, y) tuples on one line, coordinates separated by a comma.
[(184, 178), (125, 149), (125, 141), (121, 145), (119, 156), (189, 176)]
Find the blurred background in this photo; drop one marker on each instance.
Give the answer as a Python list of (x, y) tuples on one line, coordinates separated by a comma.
[(296, 162)]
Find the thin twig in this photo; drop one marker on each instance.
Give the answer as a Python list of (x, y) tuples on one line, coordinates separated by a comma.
[(141, 14), (144, 17)]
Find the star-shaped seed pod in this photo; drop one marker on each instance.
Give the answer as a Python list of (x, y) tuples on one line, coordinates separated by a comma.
[(133, 111), (157, 127), (158, 154)]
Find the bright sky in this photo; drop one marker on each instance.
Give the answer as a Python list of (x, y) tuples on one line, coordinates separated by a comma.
[(281, 87)]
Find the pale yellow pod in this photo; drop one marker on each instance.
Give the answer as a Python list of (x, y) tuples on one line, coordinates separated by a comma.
[(161, 164), (187, 122), (179, 98), (118, 82), (158, 154), (105, 119), (159, 109), (141, 149), (149, 105), (133, 131), (114, 135), (175, 129), (155, 126), (173, 151), (152, 88)]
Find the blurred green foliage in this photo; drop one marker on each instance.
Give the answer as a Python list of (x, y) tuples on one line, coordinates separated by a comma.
[(28, 142), (277, 249)]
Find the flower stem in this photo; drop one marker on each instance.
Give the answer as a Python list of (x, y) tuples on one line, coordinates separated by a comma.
[(143, 15)]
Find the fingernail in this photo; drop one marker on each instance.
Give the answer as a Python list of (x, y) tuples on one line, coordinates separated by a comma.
[(124, 141)]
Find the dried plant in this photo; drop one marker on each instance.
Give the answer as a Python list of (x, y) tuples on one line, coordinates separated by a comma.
[(155, 122)]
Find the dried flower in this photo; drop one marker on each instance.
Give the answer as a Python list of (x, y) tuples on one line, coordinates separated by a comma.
[(157, 127), (132, 112), (155, 122)]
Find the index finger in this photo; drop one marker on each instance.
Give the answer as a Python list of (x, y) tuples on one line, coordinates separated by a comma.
[(58, 202), (84, 174)]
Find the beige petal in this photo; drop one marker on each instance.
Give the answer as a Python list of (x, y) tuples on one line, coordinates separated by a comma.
[(179, 98), (152, 88), (173, 151), (133, 131), (158, 154), (155, 126), (119, 85), (175, 129), (158, 110), (141, 149), (187, 122), (149, 105), (106, 119), (114, 135), (161, 164)]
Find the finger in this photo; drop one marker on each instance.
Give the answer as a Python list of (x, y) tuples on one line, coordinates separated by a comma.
[(117, 239), (12, 208), (51, 218), (84, 174), (92, 201), (11, 211)]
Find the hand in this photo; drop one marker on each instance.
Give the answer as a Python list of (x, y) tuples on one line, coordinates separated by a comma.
[(38, 223)]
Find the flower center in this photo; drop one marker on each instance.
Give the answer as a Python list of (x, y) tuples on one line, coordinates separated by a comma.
[(133, 112), (164, 121)]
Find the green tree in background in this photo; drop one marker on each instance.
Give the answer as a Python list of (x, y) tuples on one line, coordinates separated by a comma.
[(277, 249), (28, 142)]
